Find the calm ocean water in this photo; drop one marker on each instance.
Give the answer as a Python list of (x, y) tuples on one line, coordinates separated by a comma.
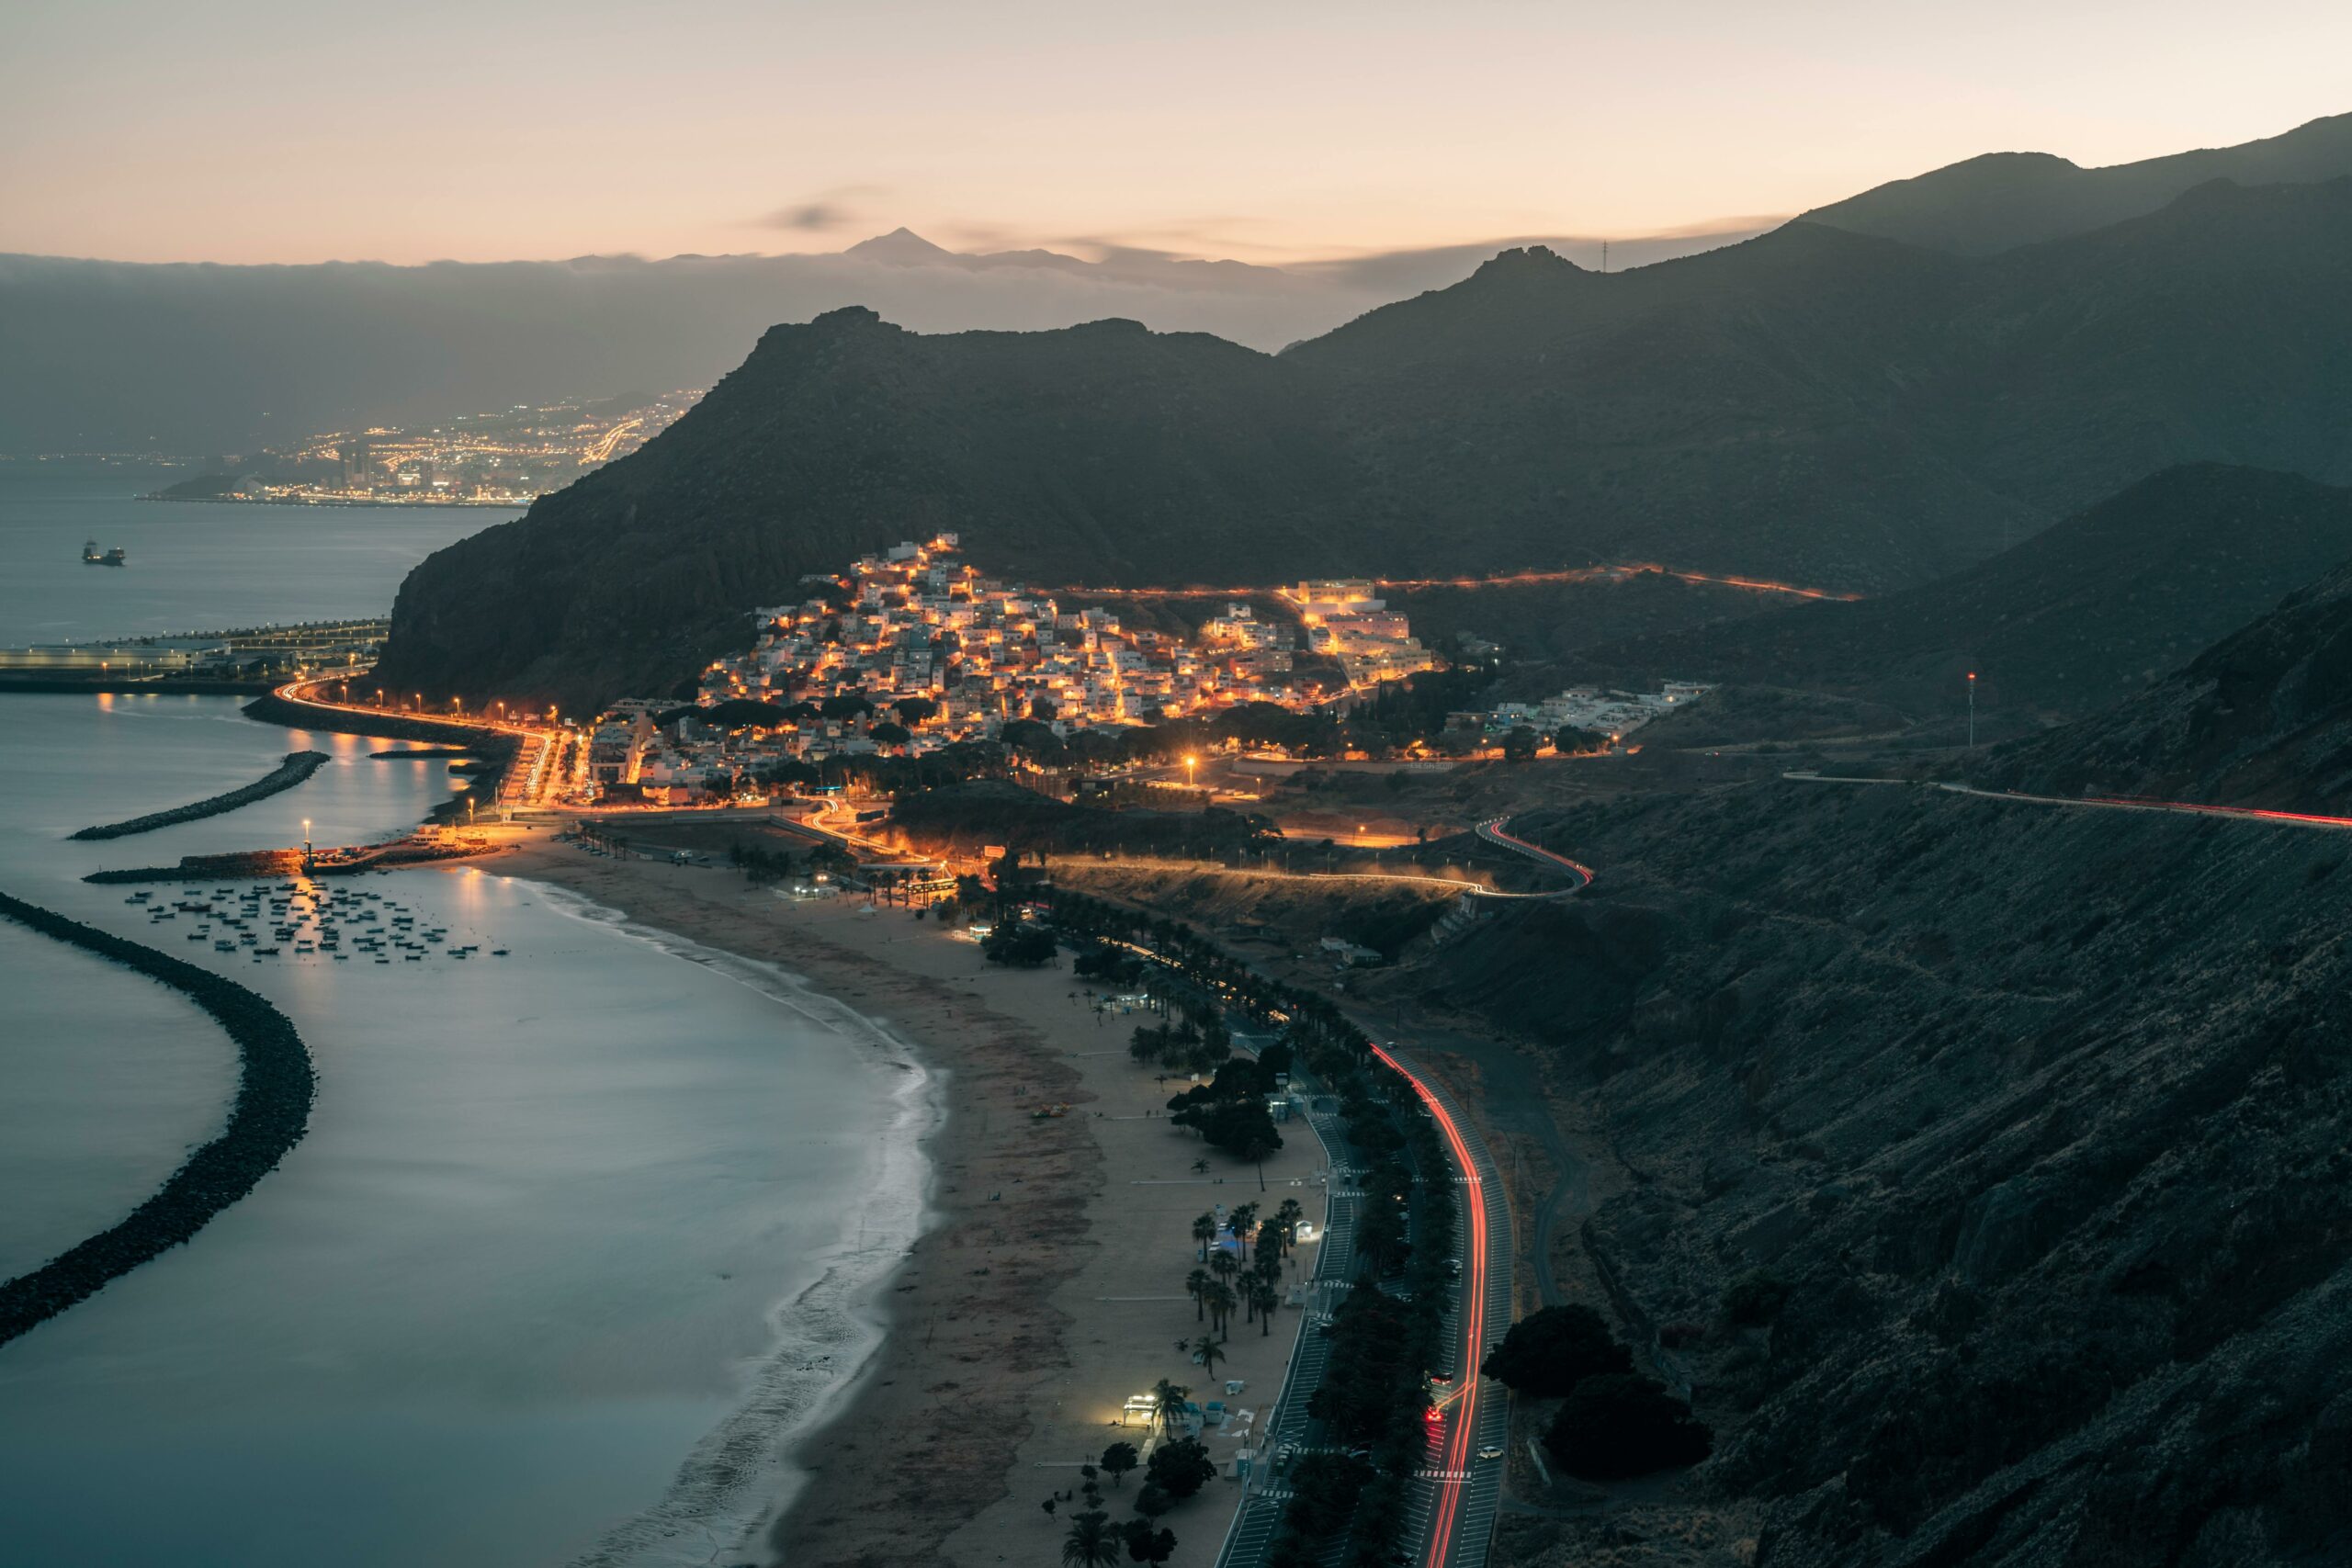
[(195, 568), (567, 1224)]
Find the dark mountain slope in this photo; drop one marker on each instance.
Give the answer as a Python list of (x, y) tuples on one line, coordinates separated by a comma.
[(2090, 608), (2000, 200), (2218, 328), (1818, 406), (2263, 718), (1810, 406), (1101, 452), (1684, 411)]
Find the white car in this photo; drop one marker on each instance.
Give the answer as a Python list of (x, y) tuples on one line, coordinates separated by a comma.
[(1490, 1452)]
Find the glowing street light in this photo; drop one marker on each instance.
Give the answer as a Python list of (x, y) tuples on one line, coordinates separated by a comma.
[(1191, 762), (1971, 709)]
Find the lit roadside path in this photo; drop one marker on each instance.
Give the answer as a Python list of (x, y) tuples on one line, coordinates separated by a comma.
[(2104, 802), (524, 782), (1258, 1517)]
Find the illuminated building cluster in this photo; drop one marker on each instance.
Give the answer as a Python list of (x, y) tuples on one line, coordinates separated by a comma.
[(507, 459), (1371, 641), (915, 623)]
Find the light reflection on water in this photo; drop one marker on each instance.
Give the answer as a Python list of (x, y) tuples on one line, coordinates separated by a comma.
[(526, 1259)]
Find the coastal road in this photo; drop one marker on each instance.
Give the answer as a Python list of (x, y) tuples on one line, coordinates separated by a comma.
[(527, 777), (1462, 1491)]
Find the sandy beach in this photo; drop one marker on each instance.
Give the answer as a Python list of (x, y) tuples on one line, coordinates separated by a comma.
[(1048, 1285)]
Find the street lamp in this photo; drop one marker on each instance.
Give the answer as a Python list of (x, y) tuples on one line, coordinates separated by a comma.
[(1971, 709), (1191, 762)]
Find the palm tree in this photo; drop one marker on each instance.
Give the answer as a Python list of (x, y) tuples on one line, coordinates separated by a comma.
[(1220, 1300), (1255, 1151), (1211, 1353), (1224, 1266), (1288, 1216), (1195, 1284), (1245, 1217), (1171, 1397), (1091, 1542), (1204, 1232), (1263, 1295)]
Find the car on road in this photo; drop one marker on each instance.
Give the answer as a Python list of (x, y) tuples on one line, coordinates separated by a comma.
[(1490, 1451)]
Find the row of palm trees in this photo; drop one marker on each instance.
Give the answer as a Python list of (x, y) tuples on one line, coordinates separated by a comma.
[(1227, 1280)]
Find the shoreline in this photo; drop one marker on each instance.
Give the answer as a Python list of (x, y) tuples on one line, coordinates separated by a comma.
[(747, 1469), (971, 1056), (1039, 1293)]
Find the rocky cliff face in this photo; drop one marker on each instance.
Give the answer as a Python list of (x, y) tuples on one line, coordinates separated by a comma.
[(2042, 1115)]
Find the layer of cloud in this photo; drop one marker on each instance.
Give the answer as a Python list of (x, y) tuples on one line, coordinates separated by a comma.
[(825, 212)]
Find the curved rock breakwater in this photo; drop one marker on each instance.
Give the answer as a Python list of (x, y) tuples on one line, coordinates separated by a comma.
[(297, 767), (272, 1110)]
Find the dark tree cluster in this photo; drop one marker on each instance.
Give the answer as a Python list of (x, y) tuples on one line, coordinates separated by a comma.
[(1229, 1111), (1020, 944), (1547, 1353), (1616, 1424), (1191, 1043)]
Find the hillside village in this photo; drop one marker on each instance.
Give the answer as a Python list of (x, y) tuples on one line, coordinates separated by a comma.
[(914, 650)]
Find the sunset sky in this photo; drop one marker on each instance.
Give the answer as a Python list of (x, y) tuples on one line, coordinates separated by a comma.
[(262, 130)]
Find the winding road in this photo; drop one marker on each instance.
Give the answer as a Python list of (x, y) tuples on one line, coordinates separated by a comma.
[(1493, 831)]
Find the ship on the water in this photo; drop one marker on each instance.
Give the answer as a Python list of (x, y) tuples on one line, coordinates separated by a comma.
[(93, 556)]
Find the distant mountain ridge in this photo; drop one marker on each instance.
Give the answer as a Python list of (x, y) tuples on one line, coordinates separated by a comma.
[(2000, 200), (1811, 405)]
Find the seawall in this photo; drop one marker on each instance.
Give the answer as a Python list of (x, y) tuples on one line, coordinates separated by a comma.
[(297, 767), (276, 1085)]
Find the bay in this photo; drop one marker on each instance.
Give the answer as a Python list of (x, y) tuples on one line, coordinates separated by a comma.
[(565, 1226), (196, 567)]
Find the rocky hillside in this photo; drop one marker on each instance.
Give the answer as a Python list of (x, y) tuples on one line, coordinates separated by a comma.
[(2075, 617), (2262, 718), (1812, 405), (2038, 1115)]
